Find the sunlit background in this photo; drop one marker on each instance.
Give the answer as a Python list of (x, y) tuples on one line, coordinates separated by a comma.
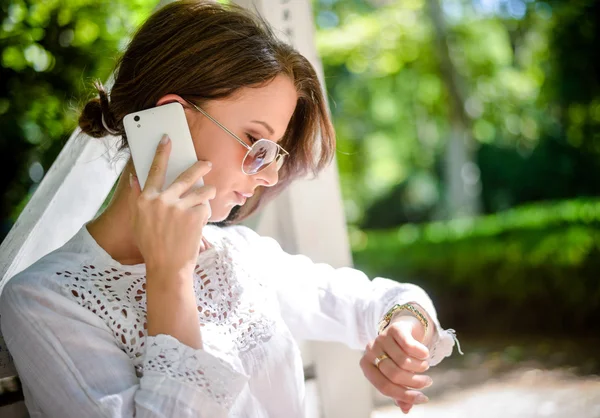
[(469, 158)]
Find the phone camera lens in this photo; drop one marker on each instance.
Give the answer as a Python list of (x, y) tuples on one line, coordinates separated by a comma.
[(136, 118)]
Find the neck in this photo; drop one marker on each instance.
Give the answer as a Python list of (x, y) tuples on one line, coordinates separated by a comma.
[(112, 229)]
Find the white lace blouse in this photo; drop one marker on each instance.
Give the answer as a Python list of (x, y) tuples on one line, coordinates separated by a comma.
[(75, 324)]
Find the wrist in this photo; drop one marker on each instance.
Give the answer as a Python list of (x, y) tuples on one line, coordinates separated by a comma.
[(424, 330), (420, 333), (408, 308), (172, 307), (169, 276)]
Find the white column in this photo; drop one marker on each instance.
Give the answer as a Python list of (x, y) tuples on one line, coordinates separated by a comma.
[(308, 218)]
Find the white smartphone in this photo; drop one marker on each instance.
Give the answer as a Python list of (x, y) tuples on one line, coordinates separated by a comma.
[(144, 131)]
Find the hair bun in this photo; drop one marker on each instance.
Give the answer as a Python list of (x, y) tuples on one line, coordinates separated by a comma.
[(90, 120)]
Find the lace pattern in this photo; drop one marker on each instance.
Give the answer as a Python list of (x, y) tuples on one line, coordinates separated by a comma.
[(233, 303), (234, 309), (254, 323), (118, 297), (166, 355)]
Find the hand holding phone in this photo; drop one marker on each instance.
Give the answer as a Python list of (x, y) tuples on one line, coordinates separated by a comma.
[(168, 222), (168, 230)]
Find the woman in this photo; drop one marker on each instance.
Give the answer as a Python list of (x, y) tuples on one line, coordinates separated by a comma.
[(151, 311)]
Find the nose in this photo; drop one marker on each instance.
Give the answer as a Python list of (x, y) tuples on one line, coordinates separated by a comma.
[(269, 176)]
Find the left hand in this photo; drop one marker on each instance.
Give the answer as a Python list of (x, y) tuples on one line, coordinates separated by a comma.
[(400, 373)]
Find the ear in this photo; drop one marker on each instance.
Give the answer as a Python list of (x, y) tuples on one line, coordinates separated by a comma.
[(170, 98)]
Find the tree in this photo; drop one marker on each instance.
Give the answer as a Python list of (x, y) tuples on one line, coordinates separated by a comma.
[(395, 108), (50, 52), (461, 171)]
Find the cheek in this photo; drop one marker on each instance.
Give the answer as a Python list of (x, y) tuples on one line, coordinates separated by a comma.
[(226, 156), (214, 145), (226, 175)]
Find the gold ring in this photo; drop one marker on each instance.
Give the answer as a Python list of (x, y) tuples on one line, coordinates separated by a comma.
[(380, 359)]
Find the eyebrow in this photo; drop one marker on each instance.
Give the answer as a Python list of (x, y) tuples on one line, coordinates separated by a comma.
[(266, 125)]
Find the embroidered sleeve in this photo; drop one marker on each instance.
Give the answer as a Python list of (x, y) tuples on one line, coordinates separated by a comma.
[(68, 361), (320, 302), (217, 379)]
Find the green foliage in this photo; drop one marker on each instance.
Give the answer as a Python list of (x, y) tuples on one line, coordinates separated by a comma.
[(543, 259), (50, 51), (553, 170), (524, 79), (577, 73)]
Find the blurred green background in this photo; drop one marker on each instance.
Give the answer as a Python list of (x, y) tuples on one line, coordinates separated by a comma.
[(469, 152), (468, 139)]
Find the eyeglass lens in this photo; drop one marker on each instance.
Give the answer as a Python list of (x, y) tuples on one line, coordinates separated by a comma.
[(262, 153)]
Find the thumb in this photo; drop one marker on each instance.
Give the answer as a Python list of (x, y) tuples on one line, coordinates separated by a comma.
[(410, 330)]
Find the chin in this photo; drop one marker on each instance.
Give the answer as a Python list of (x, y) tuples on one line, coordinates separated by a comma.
[(220, 212), (218, 217), (225, 215)]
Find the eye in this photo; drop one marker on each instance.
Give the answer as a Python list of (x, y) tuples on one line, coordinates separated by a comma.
[(251, 138)]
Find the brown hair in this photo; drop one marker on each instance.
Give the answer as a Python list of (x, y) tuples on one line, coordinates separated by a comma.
[(204, 50)]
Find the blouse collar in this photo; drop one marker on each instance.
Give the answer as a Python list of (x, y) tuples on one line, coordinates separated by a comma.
[(84, 242)]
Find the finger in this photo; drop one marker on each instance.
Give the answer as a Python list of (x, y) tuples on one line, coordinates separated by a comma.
[(199, 196), (158, 168), (185, 181), (402, 377), (388, 388), (398, 356), (399, 376), (402, 332), (390, 346), (134, 185), (204, 210), (405, 407)]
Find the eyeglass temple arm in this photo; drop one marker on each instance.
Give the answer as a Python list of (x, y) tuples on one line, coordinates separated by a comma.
[(228, 131), (221, 126)]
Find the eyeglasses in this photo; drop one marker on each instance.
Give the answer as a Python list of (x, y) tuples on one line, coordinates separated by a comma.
[(260, 155)]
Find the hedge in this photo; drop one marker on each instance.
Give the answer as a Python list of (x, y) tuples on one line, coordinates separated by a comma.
[(533, 266)]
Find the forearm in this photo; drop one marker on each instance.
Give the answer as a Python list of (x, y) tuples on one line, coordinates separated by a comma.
[(171, 306)]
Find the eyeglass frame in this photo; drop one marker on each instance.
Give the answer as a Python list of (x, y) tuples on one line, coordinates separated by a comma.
[(248, 147)]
